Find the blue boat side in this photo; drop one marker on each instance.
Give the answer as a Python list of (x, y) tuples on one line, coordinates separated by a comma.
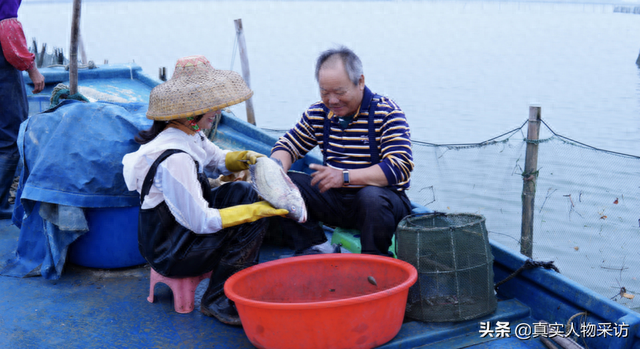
[(95, 308)]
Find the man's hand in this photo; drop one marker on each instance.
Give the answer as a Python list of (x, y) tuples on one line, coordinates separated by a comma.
[(326, 177), (37, 79)]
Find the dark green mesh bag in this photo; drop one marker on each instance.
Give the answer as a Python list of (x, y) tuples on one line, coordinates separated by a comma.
[(455, 266)]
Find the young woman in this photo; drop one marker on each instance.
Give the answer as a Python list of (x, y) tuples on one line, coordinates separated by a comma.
[(185, 227)]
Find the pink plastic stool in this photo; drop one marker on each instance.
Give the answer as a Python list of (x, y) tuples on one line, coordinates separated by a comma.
[(183, 289)]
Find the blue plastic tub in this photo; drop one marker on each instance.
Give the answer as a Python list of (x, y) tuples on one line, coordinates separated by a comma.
[(112, 239)]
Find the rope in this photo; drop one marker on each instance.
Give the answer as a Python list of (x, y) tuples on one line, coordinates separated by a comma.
[(487, 142), (528, 264), (61, 91), (583, 316), (567, 139)]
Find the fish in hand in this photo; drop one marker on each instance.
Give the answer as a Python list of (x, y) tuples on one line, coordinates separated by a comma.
[(274, 186)]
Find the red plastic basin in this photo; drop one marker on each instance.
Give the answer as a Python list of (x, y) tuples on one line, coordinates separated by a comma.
[(322, 301)]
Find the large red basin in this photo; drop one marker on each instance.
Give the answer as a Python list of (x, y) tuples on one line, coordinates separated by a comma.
[(322, 301)]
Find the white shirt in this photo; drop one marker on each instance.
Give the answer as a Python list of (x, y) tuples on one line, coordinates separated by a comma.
[(176, 180)]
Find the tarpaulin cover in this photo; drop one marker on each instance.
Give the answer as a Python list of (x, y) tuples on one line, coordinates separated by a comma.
[(72, 158)]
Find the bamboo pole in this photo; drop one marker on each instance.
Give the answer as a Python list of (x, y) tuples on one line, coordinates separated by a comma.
[(246, 75), (529, 177), (73, 52)]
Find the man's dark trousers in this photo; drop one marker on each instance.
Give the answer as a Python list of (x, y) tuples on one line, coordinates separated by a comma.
[(375, 211)]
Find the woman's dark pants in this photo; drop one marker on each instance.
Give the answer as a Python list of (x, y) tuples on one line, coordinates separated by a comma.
[(177, 252)]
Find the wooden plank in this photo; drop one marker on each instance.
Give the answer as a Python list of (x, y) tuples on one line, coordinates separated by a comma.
[(246, 75), (529, 177), (73, 52)]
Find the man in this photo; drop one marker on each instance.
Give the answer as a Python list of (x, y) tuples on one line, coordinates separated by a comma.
[(14, 108), (366, 146)]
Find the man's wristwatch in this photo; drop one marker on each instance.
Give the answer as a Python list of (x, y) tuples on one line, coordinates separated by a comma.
[(345, 177)]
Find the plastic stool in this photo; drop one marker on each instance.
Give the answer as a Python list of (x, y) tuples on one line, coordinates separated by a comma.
[(183, 289)]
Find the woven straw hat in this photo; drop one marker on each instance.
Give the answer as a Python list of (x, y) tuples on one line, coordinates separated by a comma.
[(194, 89)]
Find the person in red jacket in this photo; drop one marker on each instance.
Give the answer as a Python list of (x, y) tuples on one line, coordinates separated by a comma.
[(14, 109)]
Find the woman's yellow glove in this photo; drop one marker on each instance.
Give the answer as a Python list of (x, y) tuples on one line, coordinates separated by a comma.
[(236, 161), (240, 214)]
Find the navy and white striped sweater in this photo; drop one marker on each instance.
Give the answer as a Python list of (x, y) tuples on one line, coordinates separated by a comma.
[(349, 148)]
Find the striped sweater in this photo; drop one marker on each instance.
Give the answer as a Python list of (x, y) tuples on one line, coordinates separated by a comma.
[(349, 148)]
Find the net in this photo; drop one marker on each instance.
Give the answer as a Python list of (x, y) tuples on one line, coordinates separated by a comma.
[(587, 202), (455, 267)]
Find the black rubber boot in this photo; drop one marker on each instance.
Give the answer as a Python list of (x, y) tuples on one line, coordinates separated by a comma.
[(222, 308)]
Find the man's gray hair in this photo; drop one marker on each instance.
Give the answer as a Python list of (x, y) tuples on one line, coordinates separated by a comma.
[(351, 62)]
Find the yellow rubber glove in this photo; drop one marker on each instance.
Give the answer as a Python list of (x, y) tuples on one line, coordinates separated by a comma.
[(240, 214), (236, 161)]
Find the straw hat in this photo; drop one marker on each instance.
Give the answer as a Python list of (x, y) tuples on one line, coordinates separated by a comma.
[(194, 89)]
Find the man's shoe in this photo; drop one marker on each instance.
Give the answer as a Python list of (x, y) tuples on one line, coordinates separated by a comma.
[(223, 309)]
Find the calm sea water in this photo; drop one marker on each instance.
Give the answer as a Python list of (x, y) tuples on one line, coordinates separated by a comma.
[(463, 72)]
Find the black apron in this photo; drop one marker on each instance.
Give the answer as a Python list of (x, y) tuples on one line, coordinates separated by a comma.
[(174, 251)]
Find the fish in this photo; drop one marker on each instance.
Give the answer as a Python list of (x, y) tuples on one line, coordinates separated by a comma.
[(274, 186)]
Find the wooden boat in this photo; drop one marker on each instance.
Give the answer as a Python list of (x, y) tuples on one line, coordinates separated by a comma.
[(108, 308)]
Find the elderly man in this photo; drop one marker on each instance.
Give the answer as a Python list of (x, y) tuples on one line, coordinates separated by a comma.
[(366, 146)]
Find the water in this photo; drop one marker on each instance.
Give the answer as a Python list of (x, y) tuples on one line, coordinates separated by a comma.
[(463, 72)]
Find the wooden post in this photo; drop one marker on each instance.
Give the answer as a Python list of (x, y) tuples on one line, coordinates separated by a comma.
[(529, 177), (246, 75), (73, 54)]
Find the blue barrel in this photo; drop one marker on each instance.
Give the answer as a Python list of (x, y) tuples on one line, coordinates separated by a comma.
[(112, 239)]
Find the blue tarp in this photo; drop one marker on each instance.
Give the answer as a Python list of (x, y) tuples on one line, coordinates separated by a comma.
[(71, 158)]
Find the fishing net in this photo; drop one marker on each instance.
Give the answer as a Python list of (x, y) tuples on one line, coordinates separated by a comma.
[(587, 202), (455, 266)]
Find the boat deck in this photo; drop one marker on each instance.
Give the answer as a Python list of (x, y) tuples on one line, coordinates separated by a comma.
[(95, 308)]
